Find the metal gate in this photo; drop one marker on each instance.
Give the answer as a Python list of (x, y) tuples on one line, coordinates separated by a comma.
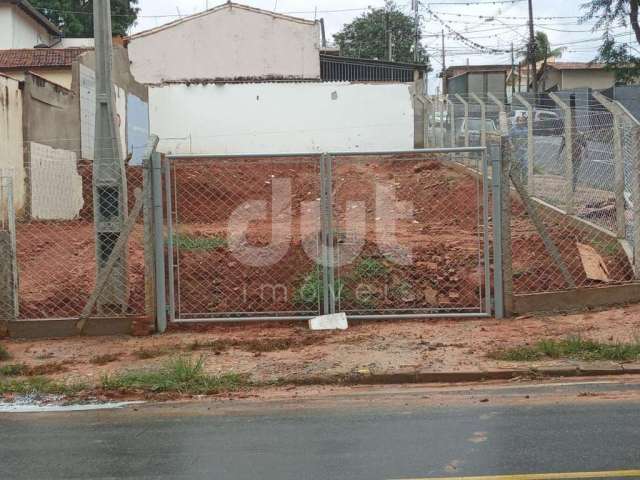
[(289, 237)]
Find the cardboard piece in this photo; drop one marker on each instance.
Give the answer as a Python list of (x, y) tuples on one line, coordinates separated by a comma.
[(593, 263)]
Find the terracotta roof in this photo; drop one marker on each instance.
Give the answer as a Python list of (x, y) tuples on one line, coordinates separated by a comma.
[(39, 57), (576, 66)]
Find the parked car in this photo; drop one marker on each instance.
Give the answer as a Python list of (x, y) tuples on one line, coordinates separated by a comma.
[(475, 126), (545, 122)]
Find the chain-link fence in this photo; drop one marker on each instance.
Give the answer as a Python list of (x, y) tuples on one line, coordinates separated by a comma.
[(292, 237), (65, 263)]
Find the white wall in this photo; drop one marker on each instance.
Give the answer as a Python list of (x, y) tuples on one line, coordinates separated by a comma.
[(281, 117), (11, 141), (18, 30), (227, 42), (56, 185), (6, 26)]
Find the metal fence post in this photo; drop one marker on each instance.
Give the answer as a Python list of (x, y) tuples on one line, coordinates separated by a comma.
[(327, 246), (466, 119), (452, 122), (420, 140), (158, 230), (618, 155), (635, 197), (483, 119), (568, 150), (504, 127), (530, 143), (428, 113), (442, 103)]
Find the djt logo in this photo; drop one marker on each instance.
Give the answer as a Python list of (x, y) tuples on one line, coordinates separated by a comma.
[(277, 227)]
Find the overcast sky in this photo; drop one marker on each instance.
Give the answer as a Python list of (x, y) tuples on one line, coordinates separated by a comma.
[(508, 23)]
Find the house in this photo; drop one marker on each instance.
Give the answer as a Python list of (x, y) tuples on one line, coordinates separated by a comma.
[(481, 80), (237, 79), (53, 64), (51, 128), (229, 42), (572, 75), (23, 26)]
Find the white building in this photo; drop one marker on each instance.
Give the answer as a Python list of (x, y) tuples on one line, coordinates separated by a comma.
[(22, 26), (226, 43), (236, 79)]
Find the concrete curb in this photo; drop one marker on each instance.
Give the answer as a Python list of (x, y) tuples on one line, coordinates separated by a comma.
[(460, 377)]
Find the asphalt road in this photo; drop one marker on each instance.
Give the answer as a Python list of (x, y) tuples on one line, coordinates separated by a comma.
[(376, 434)]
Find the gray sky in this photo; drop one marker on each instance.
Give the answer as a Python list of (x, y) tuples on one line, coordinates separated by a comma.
[(508, 23)]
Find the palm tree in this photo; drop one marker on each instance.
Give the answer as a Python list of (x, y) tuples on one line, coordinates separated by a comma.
[(544, 52)]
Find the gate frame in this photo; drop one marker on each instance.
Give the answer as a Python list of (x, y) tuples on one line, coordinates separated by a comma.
[(493, 298)]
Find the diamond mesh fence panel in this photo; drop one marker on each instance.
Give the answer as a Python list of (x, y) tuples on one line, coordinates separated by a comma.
[(564, 229), (410, 234), (60, 254), (246, 237)]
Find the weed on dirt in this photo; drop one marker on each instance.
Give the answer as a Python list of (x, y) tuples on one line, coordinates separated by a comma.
[(105, 359), (4, 354), (574, 348), (13, 370), (24, 370), (193, 243), (39, 385), (180, 375), (371, 268)]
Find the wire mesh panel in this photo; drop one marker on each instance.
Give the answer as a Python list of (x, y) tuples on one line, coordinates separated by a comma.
[(411, 235), (59, 253), (246, 237), (554, 250)]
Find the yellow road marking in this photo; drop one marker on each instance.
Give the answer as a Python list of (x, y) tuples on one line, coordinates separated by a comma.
[(545, 476)]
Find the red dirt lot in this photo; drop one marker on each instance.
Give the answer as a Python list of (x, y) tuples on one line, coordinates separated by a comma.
[(432, 261)]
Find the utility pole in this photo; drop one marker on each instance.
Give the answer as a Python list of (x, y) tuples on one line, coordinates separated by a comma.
[(513, 71), (444, 67), (109, 179), (532, 49), (416, 15)]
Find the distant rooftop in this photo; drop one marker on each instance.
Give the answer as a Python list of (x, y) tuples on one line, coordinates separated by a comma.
[(39, 57)]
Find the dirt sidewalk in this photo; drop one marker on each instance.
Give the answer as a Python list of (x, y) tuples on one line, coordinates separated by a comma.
[(272, 353)]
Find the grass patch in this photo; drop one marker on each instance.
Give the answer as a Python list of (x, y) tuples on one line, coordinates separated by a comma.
[(308, 294), (39, 385), (105, 359), (4, 354), (14, 370), (24, 370), (192, 243), (574, 348), (371, 268), (180, 375)]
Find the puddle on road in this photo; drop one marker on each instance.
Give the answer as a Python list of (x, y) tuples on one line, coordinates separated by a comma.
[(56, 404)]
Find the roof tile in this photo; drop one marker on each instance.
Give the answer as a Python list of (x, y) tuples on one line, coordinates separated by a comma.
[(39, 57)]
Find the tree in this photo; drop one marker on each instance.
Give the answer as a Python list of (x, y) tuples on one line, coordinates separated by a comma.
[(75, 17), (617, 57), (368, 35), (543, 51)]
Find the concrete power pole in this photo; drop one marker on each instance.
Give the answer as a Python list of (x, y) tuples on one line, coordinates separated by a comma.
[(444, 67), (416, 13), (532, 49), (109, 179)]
